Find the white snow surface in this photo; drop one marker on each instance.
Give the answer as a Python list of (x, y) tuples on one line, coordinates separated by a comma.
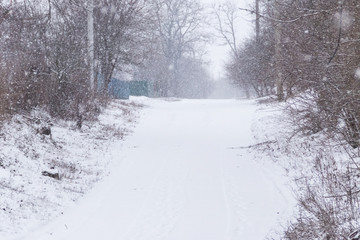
[(79, 158), (186, 173)]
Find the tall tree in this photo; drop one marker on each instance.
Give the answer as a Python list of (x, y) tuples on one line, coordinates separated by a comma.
[(227, 16), (121, 33), (178, 26), (278, 58)]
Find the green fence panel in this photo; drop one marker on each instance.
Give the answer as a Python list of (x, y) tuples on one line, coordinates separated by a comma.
[(139, 88)]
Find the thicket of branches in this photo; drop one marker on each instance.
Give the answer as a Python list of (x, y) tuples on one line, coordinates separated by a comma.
[(44, 51), (309, 52)]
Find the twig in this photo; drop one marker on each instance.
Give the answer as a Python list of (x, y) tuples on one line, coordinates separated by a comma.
[(339, 35), (279, 20), (255, 145), (341, 196)]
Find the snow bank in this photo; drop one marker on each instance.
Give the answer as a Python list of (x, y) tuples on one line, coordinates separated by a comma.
[(42, 174), (320, 167)]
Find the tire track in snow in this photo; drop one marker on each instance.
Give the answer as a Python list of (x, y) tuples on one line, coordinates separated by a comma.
[(234, 207), (160, 211), (237, 222), (254, 197)]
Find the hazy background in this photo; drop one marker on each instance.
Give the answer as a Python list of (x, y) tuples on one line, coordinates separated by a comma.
[(217, 51)]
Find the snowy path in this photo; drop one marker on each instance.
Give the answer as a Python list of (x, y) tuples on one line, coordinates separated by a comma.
[(178, 178)]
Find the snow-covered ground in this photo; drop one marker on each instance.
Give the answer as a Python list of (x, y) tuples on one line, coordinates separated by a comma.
[(76, 158), (186, 173)]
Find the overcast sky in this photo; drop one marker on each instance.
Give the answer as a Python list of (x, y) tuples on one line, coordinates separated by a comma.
[(217, 54)]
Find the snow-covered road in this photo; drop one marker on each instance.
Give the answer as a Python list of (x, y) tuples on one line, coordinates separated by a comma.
[(181, 176)]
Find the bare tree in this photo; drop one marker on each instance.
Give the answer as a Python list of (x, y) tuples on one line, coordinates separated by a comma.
[(121, 29), (227, 16), (178, 26), (251, 64)]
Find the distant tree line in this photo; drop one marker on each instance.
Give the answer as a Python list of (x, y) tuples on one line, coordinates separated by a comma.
[(308, 53), (44, 49), (174, 64)]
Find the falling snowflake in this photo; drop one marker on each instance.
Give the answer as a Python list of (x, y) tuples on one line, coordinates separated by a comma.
[(345, 19), (307, 57), (357, 73)]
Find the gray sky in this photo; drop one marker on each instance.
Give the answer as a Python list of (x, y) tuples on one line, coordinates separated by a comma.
[(217, 54)]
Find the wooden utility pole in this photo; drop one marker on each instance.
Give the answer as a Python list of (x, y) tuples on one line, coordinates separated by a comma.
[(278, 63), (90, 30), (257, 22)]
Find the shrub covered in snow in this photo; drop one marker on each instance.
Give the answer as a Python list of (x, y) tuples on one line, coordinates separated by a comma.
[(324, 169)]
